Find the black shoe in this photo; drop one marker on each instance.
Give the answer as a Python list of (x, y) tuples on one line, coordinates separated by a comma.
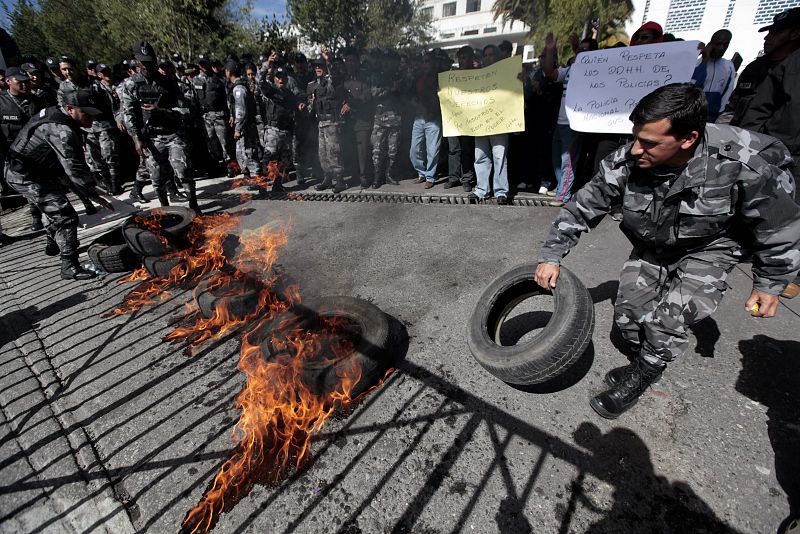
[(450, 185), (36, 225), (377, 185), (635, 379), (323, 186), (75, 272), (467, 187), (136, 194), (177, 196), (365, 184), (502, 200), (338, 188), (475, 199), (90, 209), (51, 247), (615, 376)]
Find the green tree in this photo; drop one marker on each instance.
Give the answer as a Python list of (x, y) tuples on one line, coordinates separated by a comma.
[(397, 23), (274, 35), (564, 17), (332, 23)]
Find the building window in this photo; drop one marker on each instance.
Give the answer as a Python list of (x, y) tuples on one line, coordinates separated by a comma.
[(473, 6), (729, 13), (449, 9), (426, 12), (490, 29), (646, 11), (448, 35), (685, 15), (769, 8), (470, 32)]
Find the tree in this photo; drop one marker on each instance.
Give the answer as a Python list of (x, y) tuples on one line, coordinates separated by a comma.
[(332, 23), (564, 17), (274, 35), (397, 24)]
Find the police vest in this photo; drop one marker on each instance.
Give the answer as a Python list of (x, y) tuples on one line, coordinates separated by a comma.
[(279, 109), (162, 92), (211, 93), (29, 154), (14, 115), (326, 102)]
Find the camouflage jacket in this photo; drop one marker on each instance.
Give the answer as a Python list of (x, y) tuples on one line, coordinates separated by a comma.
[(162, 91), (735, 192), (243, 106)]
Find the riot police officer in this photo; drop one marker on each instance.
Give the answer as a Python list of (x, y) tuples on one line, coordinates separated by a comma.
[(210, 90)]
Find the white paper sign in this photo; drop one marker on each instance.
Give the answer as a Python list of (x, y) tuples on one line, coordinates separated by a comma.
[(605, 85)]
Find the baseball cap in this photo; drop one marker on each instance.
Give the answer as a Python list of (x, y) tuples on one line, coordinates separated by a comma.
[(29, 67), (82, 98), (91, 64), (280, 72), (102, 67), (143, 51), (17, 73), (783, 20)]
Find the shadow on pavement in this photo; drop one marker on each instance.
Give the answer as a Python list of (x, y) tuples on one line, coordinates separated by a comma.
[(771, 376)]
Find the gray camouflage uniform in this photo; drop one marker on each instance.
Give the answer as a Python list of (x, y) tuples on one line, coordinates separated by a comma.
[(689, 228), (243, 106)]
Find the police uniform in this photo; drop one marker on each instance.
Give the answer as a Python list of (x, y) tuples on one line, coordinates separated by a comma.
[(213, 100), (162, 130), (46, 148), (689, 227), (243, 106), (386, 129), (279, 113), (327, 100)]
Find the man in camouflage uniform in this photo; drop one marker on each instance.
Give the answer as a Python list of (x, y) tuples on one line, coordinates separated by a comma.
[(46, 148), (210, 90), (329, 103), (695, 200), (386, 130), (103, 140), (245, 132), (155, 111), (279, 112)]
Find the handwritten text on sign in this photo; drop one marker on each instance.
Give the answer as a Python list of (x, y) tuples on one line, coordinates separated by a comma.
[(604, 86), (486, 101)]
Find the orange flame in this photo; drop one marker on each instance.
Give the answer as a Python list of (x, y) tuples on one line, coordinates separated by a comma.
[(274, 171)]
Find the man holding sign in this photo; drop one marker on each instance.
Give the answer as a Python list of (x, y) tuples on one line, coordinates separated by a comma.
[(696, 199)]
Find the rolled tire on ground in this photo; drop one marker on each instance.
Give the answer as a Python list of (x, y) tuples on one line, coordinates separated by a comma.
[(110, 253), (175, 223), (161, 266), (239, 294), (553, 350), (367, 329)]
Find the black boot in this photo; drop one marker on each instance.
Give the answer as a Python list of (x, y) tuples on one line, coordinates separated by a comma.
[(326, 184), (6, 239), (88, 207), (72, 270), (136, 192), (115, 186), (36, 218), (175, 195), (615, 376), (277, 185), (51, 247), (634, 381), (190, 190), (163, 198), (339, 186)]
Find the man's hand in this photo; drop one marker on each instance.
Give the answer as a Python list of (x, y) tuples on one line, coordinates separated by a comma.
[(103, 202), (547, 274), (550, 42), (345, 109), (231, 121), (767, 304), (121, 127), (574, 42), (139, 146), (236, 136)]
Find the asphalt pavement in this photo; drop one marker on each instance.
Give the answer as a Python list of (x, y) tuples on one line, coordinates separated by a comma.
[(107, 428)]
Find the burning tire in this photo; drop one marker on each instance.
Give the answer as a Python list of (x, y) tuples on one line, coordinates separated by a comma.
[(240, 294), (562, 341), (110, 252), (160, 266), (365, 327), (173, 223)]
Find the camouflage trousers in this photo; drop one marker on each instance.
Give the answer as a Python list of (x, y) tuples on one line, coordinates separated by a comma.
[(61, 220), (277, 146), (219, 135), (385, 144), (165, 153), (656, 303), (248, 150), (104, 149), (330, 151)]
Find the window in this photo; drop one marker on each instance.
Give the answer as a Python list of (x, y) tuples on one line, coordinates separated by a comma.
[(769, 8), (449, 9), (448, 35), (490, 29), (685, 15), (426, 12), (470, 32), (473, 6)]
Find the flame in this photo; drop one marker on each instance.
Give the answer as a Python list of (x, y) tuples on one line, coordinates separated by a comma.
[(275, 171)]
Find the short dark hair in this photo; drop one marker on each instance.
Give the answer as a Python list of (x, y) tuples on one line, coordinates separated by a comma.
[(234, 68), (683, 104), (466, 49), (592, 43)]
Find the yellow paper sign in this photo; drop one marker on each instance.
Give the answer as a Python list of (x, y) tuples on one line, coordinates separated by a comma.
[(486, 101)]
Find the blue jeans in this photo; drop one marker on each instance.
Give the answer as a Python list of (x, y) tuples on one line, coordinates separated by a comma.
[(429, 131), (494, 146), (566, 148)]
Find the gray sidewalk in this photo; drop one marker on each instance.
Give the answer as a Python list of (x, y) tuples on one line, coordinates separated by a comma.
[(108, 428)]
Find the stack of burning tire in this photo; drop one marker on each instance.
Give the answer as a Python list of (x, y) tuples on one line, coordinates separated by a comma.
[(155, 234)]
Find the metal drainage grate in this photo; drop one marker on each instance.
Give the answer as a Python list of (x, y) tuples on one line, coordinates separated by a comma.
[(396, 198)]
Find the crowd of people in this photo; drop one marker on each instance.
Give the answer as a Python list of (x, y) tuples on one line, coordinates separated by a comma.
[(357, 114)]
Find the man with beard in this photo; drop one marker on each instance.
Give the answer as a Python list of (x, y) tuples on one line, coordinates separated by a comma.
[(715, 75)]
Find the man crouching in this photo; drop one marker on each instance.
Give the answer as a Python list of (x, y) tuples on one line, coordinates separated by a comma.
[(696, 198)]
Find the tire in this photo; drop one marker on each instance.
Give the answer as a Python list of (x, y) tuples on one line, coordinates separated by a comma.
[(160, 266), (241, 293), (370, 343), (560, 343), (110, 252), (176, 224)]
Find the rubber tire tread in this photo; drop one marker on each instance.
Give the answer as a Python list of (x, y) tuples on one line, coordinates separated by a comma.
[(146, 243), (372, 351), (238, 305), (559, 344), (160, 266), (110, 252)]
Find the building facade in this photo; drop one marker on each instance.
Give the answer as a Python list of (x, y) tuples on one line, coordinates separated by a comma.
[(459, 22)]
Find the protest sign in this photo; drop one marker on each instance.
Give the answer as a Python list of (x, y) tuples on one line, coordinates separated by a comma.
[(484, 101), (605, 85)]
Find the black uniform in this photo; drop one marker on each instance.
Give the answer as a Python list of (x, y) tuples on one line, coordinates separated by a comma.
[(212, 97)]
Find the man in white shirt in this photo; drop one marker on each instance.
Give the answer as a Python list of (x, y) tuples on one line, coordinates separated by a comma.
[(715, 75)]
